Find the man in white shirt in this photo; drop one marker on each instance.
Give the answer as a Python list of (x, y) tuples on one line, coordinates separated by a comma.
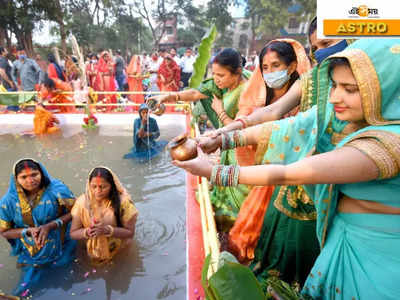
[(186, 65), (174, 56)]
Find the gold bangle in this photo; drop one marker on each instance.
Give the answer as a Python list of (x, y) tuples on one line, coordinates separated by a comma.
[(111, 231), (177, 97), (85, 233)]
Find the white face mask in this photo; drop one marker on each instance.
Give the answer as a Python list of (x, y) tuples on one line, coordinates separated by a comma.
[(276, 80)]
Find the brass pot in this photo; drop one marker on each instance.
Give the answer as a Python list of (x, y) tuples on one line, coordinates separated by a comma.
[(182, 148), (155, 107)]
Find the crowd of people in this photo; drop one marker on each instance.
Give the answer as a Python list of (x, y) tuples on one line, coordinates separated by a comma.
[(306, 184), (161, 71)]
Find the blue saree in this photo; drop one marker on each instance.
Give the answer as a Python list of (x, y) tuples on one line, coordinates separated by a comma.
[(359, 257), (53, 201), (146, 148)]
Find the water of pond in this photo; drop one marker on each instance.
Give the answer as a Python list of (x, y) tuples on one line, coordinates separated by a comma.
[(154, 267)]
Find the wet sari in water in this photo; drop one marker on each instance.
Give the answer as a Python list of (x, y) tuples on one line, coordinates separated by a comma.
[(44, 121), (359, 257), (53, 201), (102, 249), (145, 148)]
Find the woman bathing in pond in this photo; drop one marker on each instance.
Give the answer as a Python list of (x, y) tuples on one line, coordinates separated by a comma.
[(104, 216), (145, 134), (35, 219), (219, 96), (346, 152)]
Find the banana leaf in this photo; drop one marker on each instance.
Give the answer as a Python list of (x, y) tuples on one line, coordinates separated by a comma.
[(16, 99), (204, 55), (232, 281)]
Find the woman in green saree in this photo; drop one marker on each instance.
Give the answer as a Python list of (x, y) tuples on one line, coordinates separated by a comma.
[(219, 96), (346, 154)]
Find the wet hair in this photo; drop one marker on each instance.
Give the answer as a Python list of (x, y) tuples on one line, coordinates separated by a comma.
[(21, 165), (312, 27), (230, 59), (20, 48), (48, 82), (118, 51), (336, 62), (286, 54), (173, 48), (162, 50), (114, 194), (2, 50)]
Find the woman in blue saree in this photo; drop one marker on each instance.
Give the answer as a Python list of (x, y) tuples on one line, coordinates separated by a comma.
[(145, 133), (345, 152), (35, 219)]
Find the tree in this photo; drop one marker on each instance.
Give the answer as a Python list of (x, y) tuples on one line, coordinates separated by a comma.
[(218, 14)]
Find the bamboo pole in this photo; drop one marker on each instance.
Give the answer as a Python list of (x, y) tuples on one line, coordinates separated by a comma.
[(210, 238)]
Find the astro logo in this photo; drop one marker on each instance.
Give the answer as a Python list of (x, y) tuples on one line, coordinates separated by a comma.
[(363, 11)]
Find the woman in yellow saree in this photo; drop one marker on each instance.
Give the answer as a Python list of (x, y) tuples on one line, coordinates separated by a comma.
[(104, 216)]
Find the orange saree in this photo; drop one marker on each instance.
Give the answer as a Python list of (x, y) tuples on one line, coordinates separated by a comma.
[(44, 121), (134, 72), (245, 233)]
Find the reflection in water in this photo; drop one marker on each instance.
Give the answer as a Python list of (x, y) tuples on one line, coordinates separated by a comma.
[(154, 266)]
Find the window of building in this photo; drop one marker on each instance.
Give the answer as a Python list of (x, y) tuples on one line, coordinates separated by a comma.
[(169, 30)]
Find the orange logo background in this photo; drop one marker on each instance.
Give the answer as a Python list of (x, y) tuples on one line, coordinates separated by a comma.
[(363, 11)]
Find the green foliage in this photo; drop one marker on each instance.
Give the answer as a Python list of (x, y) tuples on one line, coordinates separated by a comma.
[(232, 281), (204, 55)]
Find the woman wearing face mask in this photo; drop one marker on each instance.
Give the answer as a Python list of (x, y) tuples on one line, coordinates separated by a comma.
[(280, 63), (219, 96), (302, 92)]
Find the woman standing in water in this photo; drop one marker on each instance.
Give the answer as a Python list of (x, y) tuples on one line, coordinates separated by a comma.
[(35, 219), (104, 216), (145, 135)]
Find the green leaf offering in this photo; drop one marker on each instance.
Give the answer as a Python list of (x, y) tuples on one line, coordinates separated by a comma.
[(204, 55)]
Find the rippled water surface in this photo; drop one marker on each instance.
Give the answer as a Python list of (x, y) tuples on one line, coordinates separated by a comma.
[(155, 265)]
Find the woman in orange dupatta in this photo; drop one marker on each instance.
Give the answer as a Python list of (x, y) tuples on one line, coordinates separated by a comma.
[(290, 55), (51, 90), (44, 121), (104, 216), (105, 80), (134, 72)]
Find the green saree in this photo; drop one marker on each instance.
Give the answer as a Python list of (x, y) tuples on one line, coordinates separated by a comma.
[(280, 250), (226, 200)]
